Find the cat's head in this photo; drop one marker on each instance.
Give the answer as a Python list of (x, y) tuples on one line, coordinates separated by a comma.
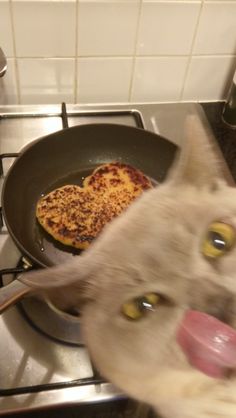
[(151, 284)]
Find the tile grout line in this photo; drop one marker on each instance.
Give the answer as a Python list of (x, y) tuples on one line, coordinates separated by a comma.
[(130, 93), (192, 1), (160, 56), (191, 52), (76, 50), (219, 1), (17, 78)]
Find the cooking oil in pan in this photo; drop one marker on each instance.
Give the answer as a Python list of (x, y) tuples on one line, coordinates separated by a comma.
[(72, 178)]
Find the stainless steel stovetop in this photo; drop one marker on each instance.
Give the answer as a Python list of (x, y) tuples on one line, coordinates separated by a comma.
[(37, 369)]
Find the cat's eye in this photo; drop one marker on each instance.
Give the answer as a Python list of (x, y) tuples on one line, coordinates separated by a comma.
[(136, 308), (220, 238)]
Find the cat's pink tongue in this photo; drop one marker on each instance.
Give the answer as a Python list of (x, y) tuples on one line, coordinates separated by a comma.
[(209, 344)]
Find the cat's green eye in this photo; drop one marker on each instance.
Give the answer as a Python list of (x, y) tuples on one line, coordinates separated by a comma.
[(136, 308), (220, 238)]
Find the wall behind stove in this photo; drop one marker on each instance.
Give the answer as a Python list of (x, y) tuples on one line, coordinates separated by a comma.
[(87, 51)]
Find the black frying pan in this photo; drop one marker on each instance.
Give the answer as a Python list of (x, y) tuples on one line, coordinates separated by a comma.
[(66, 157)]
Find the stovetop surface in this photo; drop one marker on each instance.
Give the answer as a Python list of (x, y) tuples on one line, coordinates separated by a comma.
[(37, 370)]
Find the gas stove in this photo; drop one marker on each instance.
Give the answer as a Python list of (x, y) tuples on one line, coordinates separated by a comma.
[(43, 361)]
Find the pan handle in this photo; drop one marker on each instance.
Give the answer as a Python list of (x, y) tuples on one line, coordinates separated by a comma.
[(11, 293)]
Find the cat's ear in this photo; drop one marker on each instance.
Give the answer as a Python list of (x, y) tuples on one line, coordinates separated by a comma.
[(69, 284), (53, 277), (198, 162)]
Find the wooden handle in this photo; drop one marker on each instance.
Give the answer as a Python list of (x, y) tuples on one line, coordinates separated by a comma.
[(11, 293)]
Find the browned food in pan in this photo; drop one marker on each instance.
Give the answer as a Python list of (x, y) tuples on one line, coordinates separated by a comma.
[(116, 176), (75, 215)]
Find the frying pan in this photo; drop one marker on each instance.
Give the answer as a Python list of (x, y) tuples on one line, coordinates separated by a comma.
[(66, 157)]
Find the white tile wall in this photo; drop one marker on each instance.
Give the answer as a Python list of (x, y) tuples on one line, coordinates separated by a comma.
[(117, 50), (209, 77), (107, 28), (99, 79), (158, 79), (218, 37), (167, 28), (6, 37), (46, 80), (44, 28)]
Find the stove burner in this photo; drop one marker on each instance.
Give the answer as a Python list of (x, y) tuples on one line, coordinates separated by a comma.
[(45, 318), (43, 315)]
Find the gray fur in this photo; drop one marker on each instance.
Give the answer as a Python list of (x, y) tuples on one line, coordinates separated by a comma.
[(155, 246)]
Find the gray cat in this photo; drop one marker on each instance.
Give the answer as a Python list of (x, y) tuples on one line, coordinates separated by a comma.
[(157, 291)]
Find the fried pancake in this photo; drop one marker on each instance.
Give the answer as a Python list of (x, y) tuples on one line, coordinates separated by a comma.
[(116, 176), (75, 215)]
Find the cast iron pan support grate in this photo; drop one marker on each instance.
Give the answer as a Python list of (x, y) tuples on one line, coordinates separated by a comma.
[(65, 125)]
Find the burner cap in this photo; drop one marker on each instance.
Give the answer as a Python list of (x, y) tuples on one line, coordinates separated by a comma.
[(46, 318)]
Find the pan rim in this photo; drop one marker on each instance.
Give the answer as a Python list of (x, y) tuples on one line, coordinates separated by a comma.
[(40, 140)]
